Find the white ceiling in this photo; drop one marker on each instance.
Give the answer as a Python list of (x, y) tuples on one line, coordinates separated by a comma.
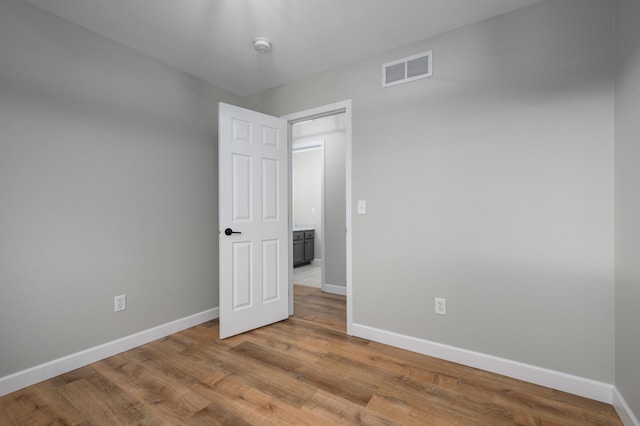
[(213, 39)]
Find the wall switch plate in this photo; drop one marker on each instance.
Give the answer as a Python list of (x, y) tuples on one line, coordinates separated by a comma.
[(120, 303), (362, 207), (441, 306)]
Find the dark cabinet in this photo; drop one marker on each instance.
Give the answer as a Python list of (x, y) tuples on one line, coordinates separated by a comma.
[(298, 248), (303, 247), (308, 250)]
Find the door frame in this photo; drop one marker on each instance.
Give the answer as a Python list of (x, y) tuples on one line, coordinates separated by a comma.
[(309, 114), (313, 145)]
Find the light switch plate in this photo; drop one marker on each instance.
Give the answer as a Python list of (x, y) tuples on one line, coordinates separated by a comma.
[(362, 207)]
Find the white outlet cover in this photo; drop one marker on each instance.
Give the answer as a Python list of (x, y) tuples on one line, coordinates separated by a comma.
[(441, 306), (120, 303)]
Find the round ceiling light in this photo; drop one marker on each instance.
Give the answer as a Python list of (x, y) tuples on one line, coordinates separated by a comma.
[(262, 44)]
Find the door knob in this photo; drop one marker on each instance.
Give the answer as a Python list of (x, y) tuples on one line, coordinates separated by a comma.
[(230, 231)]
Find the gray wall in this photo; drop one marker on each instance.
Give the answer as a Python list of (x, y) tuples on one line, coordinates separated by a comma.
[(332, 130), (627, 207), (490, 184), (108, 185)]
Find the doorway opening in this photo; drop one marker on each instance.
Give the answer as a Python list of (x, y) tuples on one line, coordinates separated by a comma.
[(309, 131), (309, 236)]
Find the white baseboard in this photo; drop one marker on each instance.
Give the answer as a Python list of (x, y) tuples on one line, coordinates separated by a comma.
[(33, 375), (541, 376), (623, 409), (334, 289)]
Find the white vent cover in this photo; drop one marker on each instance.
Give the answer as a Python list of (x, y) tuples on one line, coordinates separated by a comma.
[(407, 69)]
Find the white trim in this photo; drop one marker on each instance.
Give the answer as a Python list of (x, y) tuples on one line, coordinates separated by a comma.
[(541, 376), (623, 409), (308, 145), (46, 371), (335, 108), (334, 289), (349, 230)]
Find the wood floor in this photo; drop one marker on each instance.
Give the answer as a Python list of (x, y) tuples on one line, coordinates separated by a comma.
[(303, 371)]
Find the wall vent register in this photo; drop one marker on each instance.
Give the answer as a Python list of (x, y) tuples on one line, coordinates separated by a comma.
[(407, 69)]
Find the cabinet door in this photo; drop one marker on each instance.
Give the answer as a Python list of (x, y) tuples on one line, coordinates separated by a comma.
[(298, 252), (309, 251)]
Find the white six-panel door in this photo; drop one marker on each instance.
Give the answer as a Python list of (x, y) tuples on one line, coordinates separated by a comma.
[(253, 204)]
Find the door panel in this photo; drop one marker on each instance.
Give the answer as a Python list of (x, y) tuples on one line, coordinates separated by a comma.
[(241, 265), (270, 190), (241, 191), (270, 272), (253, 200)]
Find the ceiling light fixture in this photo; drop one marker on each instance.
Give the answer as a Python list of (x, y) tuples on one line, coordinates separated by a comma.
[(262, 44)]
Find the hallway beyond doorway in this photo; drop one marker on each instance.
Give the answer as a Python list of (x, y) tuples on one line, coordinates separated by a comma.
[(308, 275)]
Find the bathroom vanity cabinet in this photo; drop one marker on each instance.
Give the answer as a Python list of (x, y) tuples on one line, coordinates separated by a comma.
[(303, 246)]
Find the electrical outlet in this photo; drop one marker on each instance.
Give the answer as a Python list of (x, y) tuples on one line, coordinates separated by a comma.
[(441, 306), (120, 303)]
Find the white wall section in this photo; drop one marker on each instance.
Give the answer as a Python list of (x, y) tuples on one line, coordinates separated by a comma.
[(332, 130), (108, 186), (490, 184), (307, 191)]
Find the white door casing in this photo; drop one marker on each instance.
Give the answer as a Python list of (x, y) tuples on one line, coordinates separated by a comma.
[(253, 200), (322, 111)]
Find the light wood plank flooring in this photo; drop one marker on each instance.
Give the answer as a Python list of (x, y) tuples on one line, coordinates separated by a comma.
[(302, 371)]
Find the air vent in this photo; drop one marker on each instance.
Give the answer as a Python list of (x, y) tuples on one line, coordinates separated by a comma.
[(407, 69)]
